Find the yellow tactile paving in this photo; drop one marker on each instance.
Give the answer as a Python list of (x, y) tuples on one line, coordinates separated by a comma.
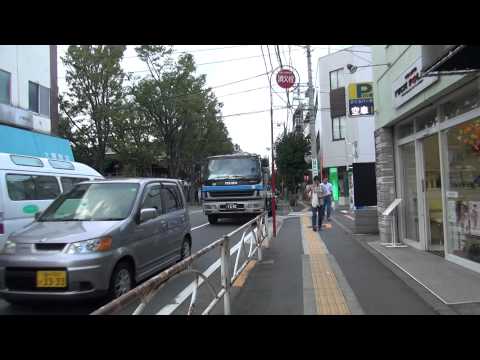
[(240, 281), (328, 296)]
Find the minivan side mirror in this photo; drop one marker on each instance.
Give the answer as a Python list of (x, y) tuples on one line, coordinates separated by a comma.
[(147, 214), (37, 215)]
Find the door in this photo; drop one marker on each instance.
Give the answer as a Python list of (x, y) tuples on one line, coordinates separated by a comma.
[(149, 246), (409, 206), (431, 186), (175, 216)]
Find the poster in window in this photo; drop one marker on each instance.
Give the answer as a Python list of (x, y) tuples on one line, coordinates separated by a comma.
[(463, 217), (474, 217), (451, 211)]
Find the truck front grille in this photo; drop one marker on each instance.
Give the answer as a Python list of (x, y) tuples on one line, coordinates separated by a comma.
[(224, 194)]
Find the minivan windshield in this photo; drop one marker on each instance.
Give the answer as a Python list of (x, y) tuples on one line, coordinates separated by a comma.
[(93, 202)]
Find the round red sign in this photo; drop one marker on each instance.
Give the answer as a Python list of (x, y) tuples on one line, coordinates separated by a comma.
[(285, 78)]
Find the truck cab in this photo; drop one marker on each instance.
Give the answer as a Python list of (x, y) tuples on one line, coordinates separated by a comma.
[(235, 185)]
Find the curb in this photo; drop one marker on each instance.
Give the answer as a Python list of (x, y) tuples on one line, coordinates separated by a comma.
[(350, 298)]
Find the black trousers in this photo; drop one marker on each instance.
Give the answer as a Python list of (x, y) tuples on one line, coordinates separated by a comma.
[(317, 213)]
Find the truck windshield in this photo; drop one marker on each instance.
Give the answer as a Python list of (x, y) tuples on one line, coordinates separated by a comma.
[(234, 168), (93, 202)]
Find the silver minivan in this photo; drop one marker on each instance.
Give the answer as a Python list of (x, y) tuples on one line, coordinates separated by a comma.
[(99, 239)]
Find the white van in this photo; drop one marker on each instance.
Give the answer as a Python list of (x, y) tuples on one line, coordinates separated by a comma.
[(29, 184)]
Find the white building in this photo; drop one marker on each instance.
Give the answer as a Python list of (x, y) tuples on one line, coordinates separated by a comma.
[(346, 135), (28, 87), (29, 102)]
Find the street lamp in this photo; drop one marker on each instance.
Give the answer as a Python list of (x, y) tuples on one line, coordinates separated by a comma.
[(354, 68)]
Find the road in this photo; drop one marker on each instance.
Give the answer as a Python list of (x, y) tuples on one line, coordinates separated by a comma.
[(202, 234)]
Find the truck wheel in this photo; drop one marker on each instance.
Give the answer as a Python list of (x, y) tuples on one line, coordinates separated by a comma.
[(212, 219)]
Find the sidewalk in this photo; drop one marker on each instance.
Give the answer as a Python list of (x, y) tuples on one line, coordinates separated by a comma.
[(448, 287), (305, 272)]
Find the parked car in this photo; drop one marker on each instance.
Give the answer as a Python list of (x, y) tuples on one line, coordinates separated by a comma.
[(29, 184), (99, 239)]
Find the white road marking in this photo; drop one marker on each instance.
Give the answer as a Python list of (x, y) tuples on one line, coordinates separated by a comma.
[(199, 226), (195, 212), (185, 293)]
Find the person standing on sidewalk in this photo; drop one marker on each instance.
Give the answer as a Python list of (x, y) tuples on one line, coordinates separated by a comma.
[(316, 194), (327, 186)]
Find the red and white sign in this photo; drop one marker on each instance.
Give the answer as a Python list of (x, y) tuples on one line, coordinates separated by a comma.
[(286, 78)]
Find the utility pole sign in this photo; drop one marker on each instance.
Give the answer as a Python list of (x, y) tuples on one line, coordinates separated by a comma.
[(314, 167), (286, 78)]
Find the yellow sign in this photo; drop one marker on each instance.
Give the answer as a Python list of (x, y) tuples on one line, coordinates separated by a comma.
[(360, 91), (360, 99)]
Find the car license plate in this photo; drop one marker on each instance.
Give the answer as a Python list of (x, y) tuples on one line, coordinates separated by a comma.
[(231, 206), (51, 279)]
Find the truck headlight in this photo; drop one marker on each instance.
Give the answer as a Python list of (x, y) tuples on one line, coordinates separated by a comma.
[(90, 246), (9, 248)]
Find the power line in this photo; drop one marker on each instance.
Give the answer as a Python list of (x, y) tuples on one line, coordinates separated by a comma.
[(269, 57), (252, 112), (241, 92), (211, 49), (223, 61), (193, 51)]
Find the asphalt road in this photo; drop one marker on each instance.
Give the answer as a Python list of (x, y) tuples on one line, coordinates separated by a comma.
[(202, 234)]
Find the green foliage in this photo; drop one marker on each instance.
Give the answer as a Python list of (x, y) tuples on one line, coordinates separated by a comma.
[(93, 100), (182, 112), (291, 149), (167, 115)]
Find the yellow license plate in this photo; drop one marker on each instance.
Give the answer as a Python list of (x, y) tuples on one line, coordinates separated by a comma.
[(51, 279)]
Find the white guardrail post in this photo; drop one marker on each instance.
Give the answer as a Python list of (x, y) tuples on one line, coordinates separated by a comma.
[(225, 273), (259, 237)]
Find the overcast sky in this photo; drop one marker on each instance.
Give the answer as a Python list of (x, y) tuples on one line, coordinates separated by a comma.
[(250, 131)]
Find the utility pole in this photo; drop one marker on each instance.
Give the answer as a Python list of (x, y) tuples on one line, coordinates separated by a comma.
[(274, 219), (313, 138)]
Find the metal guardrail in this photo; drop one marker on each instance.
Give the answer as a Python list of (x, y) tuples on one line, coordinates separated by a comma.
[(253, 232)]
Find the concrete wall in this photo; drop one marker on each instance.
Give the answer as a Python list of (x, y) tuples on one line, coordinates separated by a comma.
[(27, 63), (360, 129)]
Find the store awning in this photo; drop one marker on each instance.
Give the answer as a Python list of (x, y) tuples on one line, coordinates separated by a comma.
[(24, 142), (450, 58)]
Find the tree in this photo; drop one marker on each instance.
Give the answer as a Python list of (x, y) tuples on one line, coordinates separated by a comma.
[(94, 99), (291, 150), (183, 113), (133, 143)]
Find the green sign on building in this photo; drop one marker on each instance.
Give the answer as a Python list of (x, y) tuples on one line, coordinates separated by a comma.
[(333, 178)]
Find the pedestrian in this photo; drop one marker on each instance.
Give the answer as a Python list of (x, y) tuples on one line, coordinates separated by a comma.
[(316, 193), (327, 186)]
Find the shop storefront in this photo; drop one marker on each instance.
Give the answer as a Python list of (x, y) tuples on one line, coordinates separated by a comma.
[(437, 167)]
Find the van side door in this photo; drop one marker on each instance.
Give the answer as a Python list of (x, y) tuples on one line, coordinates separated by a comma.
[(176, 217), (148, 247), (25, 195)]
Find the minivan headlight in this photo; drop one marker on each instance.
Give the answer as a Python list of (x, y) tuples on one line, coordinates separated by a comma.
[(90, 246), (9, 248)]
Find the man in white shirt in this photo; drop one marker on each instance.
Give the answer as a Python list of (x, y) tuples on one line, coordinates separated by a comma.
[(328, 198), (317, 193)]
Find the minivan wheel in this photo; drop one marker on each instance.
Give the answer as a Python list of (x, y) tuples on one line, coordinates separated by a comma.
[(186, 249), (121, 281), (212, 219)]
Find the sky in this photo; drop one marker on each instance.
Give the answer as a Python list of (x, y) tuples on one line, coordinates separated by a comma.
[(223, 64)]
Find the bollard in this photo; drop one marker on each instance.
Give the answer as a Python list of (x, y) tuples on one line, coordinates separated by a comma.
[(225, 273)]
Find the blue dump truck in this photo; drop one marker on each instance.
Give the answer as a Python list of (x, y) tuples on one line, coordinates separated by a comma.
[(235, 185)]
